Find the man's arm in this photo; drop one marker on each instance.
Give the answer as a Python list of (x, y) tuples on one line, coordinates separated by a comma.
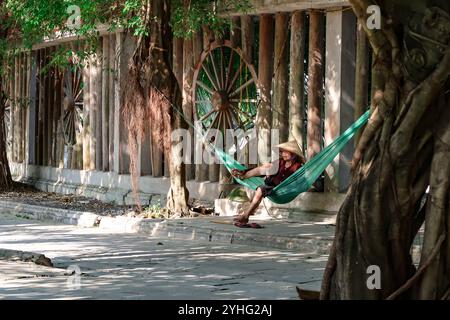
[(262, 170)]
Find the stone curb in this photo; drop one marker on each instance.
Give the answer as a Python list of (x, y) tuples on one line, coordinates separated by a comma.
[(188, 229)]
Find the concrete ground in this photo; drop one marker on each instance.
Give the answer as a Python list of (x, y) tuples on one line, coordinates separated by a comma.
[(134, 266)]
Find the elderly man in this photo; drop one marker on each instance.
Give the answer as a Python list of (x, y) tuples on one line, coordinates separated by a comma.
[(291, 159)]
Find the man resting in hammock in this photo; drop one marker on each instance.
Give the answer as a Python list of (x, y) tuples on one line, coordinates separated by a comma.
[(291, 159)]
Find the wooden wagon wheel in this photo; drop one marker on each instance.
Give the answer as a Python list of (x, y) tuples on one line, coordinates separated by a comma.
[(224, 89), (73, 105)]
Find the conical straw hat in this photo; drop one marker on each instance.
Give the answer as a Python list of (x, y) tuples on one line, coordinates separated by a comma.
[(291, 146)]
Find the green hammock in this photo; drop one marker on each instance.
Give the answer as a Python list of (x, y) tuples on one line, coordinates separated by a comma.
[(301, 180)]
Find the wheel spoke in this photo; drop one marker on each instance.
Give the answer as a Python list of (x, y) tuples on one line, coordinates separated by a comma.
[(211, 55), (222, 68), (230, 66), (207, 115), (236, 75), (204, 86), (235, 92), (208, 74), (237, 100)]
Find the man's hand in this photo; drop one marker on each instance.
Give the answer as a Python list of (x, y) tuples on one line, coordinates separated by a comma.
[(238, 173)]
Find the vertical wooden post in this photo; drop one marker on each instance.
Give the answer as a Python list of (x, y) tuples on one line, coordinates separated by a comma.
[(28, 106), (105, 104), (248, 37), (46, 109), (32, 119), (16, 109), (95, 88), (265, 72), (201, 170), (339, 93), (23, 106), (112, 70), (59, 136), (236, 32), (41, 110), (117, 97), (362, 76), (297, 79), (50, 111), (188, 76), (280, 115), (56, 118), (315, 83), (12, 82), (86, 116), (97, 95), (208, 38)]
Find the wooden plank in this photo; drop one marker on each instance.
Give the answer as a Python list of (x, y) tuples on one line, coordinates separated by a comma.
[(32, 111), (56, 118), (97, 96), (296, 79), (248, 37), (15, 110), (26, 111), (111, 71), (86, 116), (315, 84), (105, 104), (41, 111), (201, 170), (51, 110), (23, 106), (93, 94), (45, 107), (280, 105), (235, 36), (264, 115)]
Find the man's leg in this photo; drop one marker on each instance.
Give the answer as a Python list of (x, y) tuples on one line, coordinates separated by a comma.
[(243, 218)]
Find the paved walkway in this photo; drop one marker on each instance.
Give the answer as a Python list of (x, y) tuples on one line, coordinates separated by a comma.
[(135, 266)]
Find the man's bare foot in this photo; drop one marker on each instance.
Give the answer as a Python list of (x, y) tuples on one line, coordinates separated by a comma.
[(242, 218)]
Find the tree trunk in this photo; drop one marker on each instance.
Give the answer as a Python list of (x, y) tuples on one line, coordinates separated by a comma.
[(150, 96), (404, 148)]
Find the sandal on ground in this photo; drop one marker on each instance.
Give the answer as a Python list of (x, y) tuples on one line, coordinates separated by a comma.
[(253, 225)]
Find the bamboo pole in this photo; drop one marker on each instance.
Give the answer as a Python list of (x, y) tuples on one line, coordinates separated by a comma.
[(296, 79), (315, 83)]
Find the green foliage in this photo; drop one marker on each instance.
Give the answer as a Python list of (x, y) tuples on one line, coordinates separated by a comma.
[(186, 20), (34, 21)]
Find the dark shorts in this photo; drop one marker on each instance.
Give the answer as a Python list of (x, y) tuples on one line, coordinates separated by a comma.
[(267, 188)]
